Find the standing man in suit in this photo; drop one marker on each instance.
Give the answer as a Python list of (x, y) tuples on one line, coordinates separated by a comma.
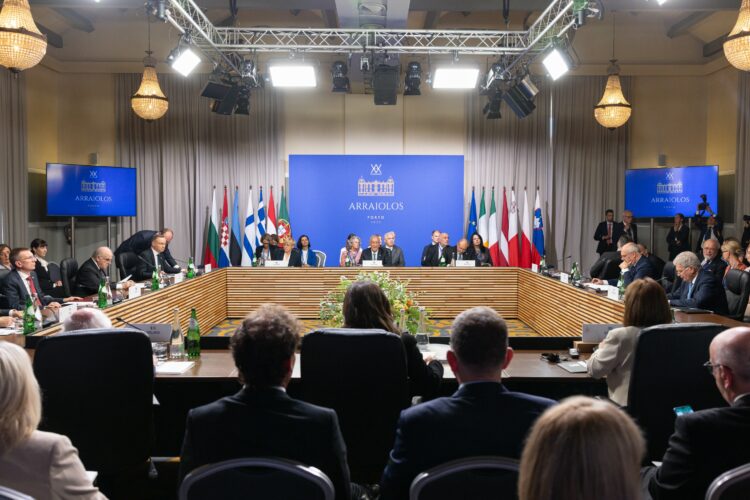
[(604, 233), (141, 241), (374, 251), (154, 257), (261, 420), (709, 442), (442, 250), (426, 249), (481, 418), (22, 282), (627, 227), (678, 238), (91, 273), (699, 288), (712, 261), (395, 253)]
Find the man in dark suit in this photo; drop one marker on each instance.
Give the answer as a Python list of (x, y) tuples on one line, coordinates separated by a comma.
[(712, 261), (435, 238), (604, 233), (627, 227), (141, 241), (22, 282), (678, 238), (261, 420), (598, 268), (91, 272), (375, 251), (711, 227), (638, 266), (153, 257), (439, 254), (481, 418), (699, 288), (709, 442), (462, 251), (395, 253)]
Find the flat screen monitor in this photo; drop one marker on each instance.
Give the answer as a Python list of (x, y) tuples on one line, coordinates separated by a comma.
[(663, 192), (90, 191)]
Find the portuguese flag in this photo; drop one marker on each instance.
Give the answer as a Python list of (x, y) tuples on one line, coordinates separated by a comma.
[(283, 227)]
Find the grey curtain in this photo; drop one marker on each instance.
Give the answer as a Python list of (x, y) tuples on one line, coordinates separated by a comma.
[(14, 192), (742, 180), (184, 154), (577, 164)]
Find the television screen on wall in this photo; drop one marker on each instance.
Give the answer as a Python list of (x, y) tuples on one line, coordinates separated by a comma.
[(90, 191), (663, 192)]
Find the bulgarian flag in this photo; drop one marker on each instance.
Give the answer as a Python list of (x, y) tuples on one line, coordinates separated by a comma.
[(537, 251), (513, 244), (526, 234), (492, 238), (283, 227), (224, 234), (271, 220), (504, 256), (210, 256), (483, 223)]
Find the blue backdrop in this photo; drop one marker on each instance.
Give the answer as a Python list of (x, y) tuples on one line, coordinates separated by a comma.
[(662, 192), (80, 190), (331, 196)]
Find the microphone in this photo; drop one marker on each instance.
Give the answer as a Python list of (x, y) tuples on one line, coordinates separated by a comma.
[(151, 264), (130, 324)]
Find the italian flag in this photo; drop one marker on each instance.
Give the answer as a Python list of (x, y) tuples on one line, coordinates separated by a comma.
[(211, 253), (483, 223), (513, 257), (492, 238)]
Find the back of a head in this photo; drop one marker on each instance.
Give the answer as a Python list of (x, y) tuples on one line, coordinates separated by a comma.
[(86, 318), (582, 449), (19, 396), (646, 304), (479, 338), (366, 306)]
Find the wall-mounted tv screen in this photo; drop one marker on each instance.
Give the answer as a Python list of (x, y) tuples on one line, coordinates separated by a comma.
[(663, 192), (90, 191)]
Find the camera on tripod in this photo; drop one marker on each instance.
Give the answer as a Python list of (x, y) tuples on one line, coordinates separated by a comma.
[(704, 204)]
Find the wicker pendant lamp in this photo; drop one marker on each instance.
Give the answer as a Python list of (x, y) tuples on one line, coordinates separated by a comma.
[(613, 109), (22, 45), (149, 102), (737, 44)]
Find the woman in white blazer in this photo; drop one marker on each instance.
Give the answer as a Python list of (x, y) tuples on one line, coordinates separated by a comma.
[(645, 305), (40, 464)]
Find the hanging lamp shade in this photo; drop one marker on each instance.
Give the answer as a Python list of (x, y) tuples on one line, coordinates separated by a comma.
[(149, 102), (613, 109), (737, 44), (22, 45)]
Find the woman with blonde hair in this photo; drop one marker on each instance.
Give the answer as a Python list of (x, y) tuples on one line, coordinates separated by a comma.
[(40, 464), (732, 253), (582, 449)]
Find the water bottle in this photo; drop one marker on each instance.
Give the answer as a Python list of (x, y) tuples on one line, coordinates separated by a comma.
[(177, 347)]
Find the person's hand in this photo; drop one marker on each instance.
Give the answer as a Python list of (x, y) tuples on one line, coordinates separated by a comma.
[(55, 306), (624, 265), (70, 299), (428, 357), (597, 281), (58, 283), (16, 314)]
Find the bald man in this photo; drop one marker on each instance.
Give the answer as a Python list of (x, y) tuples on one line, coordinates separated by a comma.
[(635, 265), (92, 271), (442, 250), (709, 442)]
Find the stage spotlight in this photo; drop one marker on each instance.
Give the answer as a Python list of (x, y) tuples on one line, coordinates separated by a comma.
[(519, 102), (341, 83), (413, 78), (557, 62), (491, 110), (243, 101), (455, 77), (292, 74), (182, 58)]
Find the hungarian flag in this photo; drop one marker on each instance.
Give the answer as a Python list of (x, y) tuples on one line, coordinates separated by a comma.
[(271, 221), (504, 256), (261, 218), (513, 244), (492, 238), (250, 238), (472, 227), (211, 255), (224, 234), (283, 227), (526, 235), (235, 250), (483, 223), (537, 251)]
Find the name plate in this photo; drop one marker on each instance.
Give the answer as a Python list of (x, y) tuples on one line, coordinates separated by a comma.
[(207, 268), (276, 263), (135, 291), (466, 263), (613, 293), (65, 312), (178, 278), (564, 278), (372, 263), (534, 268)]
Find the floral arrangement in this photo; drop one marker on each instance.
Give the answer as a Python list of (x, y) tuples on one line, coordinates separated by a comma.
[(407, 313)]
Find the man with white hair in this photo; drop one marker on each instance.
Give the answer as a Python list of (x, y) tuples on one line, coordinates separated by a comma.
[(709, 442), (396, 254), (699, 288), (635, 265), (86, 318), (712, 261)]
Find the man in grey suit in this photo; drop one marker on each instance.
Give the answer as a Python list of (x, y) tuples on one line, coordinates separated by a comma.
[(396, 253)]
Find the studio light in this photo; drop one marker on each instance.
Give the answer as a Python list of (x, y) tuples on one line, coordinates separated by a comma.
[(557, 63), (243, 101), (491, 110), (519, 101), (341, 83), (413, 78), (737, 44), (292, 74), (22, 45), (455, 77), (182, 58)]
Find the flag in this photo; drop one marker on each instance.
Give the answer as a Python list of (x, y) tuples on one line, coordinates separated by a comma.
[(472, 227), (537, 251), (224, 234), (283, 228), (504, 256), (492, 235), (526, 234), (235, 250), (250, 238), (261, 219), (211, 254), (513, 257), (483, 222), (271, 220)]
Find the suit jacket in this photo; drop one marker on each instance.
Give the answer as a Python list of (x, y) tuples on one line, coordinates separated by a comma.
[(678, 241), (468, 254), (88, 278), (433, 260), (424, 379), (600, 234), (704, 444), (716, 266), (598, 268), (396, 257), (619, 230), (15, 292), (295, 258), (266, 423), (482, 418), (425, 250), (312, 258), (658, 264), (708, 293), (276, 252), (45, 281), (705, 232), (383, 256), (46, 466), (614, 360), (641, 269), (146, 264), (140, 242)]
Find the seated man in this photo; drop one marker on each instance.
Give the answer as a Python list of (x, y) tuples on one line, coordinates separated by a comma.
[(86, 318), (439, 254), (395, 252), (637, 266), (154, 258), (699, 288), (262, 420), (599, 266), (141, 241), (435, 238), (709, 442), (481, 418), (91, 273), (374, 251), (22, 282), (712, 261), (463, 252)]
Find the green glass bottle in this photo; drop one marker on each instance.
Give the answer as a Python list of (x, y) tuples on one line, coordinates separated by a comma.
[(442, 262), (193, 336), (190, 269), (155, 279), (101, 301), (29, 317), (621, 284), (543, 265)]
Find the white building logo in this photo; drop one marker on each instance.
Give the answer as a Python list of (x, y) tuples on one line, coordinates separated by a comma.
[(92, 185), (376, 188), (669, 187)]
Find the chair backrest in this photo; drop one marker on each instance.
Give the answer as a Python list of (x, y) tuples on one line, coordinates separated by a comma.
[(362, 375), (473, 477), (127, 263), (257, 478), (669, 279), (11, 494), (3, 300), (69, 268), (668, 372), (733, 484), (97, 389), (611, 270), (738, 292), (55, 274), (321, 258)]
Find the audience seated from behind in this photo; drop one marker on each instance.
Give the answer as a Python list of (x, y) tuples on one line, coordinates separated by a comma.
[(308, 258), (700, 287), (55, 288), (154, 257), (22, 282), (261, 420), (709, 442), (614, 255), (481, 418), (43, 465), (712, 261), (5, 257), (86, 318), (645, 305), (366, 306), (582, 449), (732, 254)]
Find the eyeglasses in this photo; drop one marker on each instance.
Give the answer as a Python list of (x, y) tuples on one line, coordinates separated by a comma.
[(710, 366)]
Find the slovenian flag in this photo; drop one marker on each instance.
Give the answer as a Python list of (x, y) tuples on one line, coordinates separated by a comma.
[(537, 251), (513, 257)]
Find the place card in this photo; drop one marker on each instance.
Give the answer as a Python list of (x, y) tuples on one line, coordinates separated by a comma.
[(207, 268), (613, 293), (276, 263), (372, 263), (134, 291), (534, 268), (564, 278), (178, 278), (466, 263)]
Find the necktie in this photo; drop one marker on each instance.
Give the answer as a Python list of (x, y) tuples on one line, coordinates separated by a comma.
[(374, 255), (609, 230), (690, 290), (32, 289)]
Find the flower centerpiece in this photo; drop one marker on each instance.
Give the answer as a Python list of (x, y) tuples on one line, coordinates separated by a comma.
[(407, 313)]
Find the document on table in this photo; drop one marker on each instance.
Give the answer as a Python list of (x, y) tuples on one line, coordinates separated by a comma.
[(174, 367), (573, 366), (7, 331)]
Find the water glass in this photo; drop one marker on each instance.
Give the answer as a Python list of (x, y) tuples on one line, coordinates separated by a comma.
[(423, 341), (161, 351)]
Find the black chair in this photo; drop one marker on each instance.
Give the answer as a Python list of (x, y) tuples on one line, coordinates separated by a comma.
[(733, 484), (474, 477), (3, 300), (69, 269), (669, 279), (127, 263), (362, 375), (738, 291), (611, 270), (55, 274), (97, 389), (261, 478), (668, 372)]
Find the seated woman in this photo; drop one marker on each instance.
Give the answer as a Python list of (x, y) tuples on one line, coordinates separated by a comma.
[(645, 305), (267, 250), (306, 253), (366, 306), (290, 255), (40, 464), (54, 288), (732, 253), (5, 257), (351, 254), (481, 254)]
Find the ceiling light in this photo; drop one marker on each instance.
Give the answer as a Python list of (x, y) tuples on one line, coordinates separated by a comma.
[(149, 102), (556, 63), (182, 58), (737, 44), (455, 77), (613, 109), (22, 45), (492, 109), (292, 75), (340, 80), (413, 78), (661, 2)]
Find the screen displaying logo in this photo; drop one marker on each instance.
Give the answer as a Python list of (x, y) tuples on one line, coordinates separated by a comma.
[(83, 190), (663, 192)]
